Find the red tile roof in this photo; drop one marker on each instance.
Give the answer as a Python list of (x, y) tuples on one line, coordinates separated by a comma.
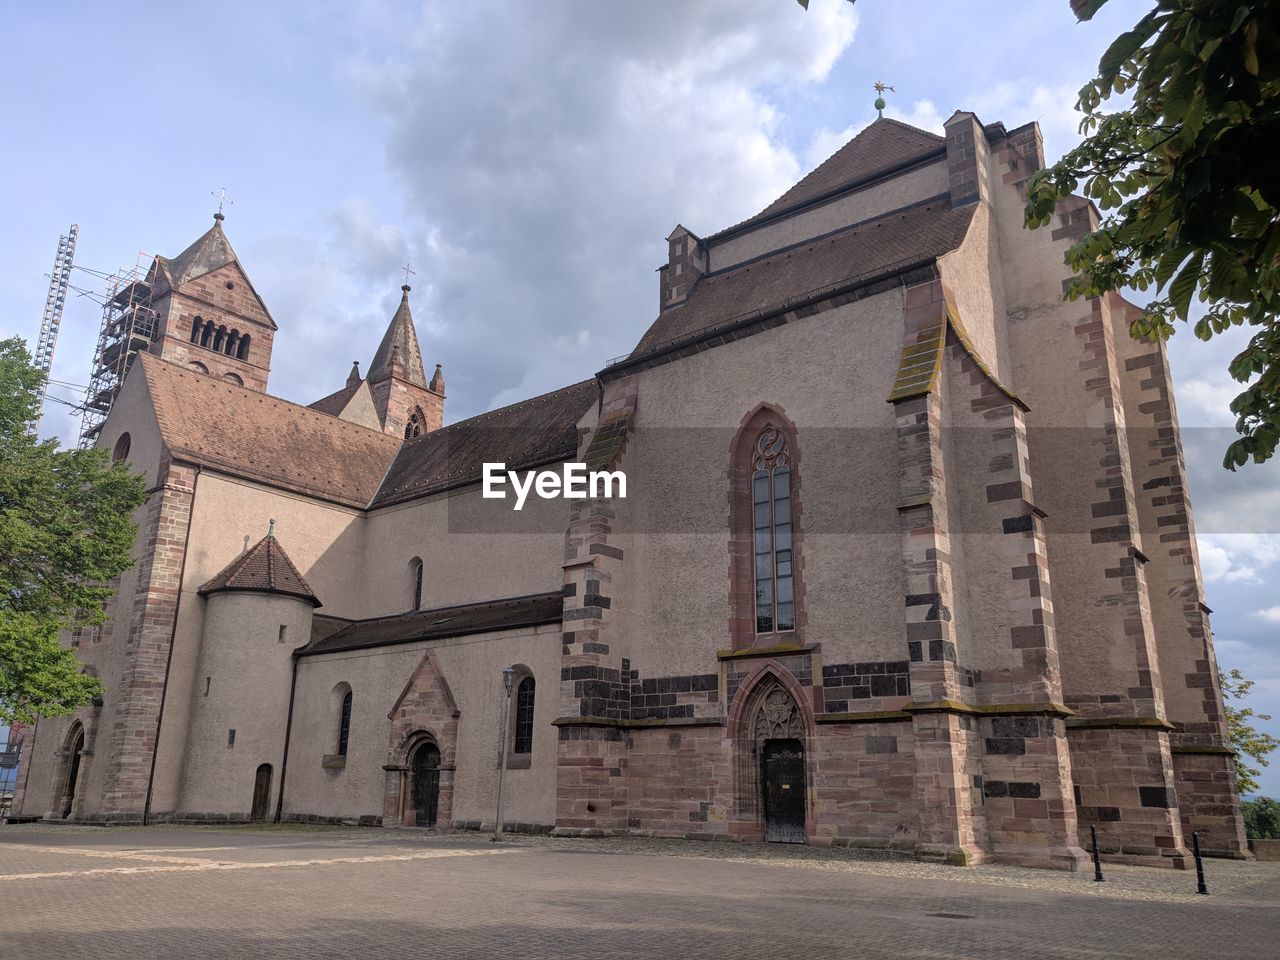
[(215, 423), (869, 250), (878, 148), (263, 568)]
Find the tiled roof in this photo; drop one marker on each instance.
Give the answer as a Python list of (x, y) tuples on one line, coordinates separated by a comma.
[(263, 568), (867, 251), (211, 251), (881, 146), (337, 401), (250, 434), (536, 431), (468, 618), (400, 338)]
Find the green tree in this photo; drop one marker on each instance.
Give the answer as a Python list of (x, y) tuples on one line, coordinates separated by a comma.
[(1248, 741), (1261, 819), (1187, 179), (65, 530)]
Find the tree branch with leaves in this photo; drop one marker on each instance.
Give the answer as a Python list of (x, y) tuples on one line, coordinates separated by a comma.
[(66, 530), (1187, 179)]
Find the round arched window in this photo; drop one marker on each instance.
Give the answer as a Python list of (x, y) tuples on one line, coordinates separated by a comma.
[(121, 450)]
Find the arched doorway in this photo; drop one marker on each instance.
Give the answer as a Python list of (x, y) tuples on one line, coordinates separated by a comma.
[(426, 784), (770, 775), (261, 792), (75, 746), (782, 775)]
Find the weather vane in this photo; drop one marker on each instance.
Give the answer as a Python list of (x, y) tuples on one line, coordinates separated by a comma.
[(222, 198), (880, 104), (408, 272)]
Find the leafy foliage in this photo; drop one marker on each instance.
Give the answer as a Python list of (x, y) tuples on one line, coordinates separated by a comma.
[(65, 531), (1246, 739), (1186, 175), (1262, 819)]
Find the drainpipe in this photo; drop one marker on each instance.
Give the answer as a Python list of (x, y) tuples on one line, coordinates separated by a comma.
[(173, 636), (288, 731)]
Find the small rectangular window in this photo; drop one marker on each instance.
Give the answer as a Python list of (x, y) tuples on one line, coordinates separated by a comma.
[(231, 738), (283, 630)]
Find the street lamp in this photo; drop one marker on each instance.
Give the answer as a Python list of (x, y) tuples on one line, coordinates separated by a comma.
[(508, 680)]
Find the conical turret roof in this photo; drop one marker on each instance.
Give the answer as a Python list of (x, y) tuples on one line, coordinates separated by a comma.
[(400, 342), (263, 568)]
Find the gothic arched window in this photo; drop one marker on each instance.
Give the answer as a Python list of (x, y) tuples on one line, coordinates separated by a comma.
[(415, 578), (523, 739), (344, 724), (414, 427), (766, 594), (771, 530)]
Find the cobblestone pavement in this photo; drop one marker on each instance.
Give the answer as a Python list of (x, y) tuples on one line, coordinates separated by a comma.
[(313, 893)]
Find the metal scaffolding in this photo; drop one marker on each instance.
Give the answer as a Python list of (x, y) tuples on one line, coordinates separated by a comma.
[(52, 318), (129, 324)]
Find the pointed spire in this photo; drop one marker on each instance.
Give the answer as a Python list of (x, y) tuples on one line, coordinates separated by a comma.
[(354, 376), (400, 347), (437, 380)]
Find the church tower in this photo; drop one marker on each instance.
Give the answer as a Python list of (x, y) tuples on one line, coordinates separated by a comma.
[(406, 403), (396, 396), (209, 316)]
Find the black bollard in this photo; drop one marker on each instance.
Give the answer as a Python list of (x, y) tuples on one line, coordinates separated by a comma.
[(1097, 864), (1195, 849)]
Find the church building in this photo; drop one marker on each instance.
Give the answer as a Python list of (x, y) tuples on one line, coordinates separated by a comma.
[(906, 558)]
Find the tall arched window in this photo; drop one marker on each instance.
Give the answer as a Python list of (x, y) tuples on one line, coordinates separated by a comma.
[(523, 739), (765, 589), (771, 526), (242, 351), (415, 579), (414, 427), (233, 341), (218, 337), (196, 326), (344, 724), (206, 334)]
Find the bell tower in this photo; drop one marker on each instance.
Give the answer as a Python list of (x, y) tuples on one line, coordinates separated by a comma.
[(209, 317), (407, 404)]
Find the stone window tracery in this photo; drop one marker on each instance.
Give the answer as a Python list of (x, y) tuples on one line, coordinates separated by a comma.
[(775, 606)]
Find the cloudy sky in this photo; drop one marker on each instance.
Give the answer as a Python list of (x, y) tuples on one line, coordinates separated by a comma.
[(527, 159)]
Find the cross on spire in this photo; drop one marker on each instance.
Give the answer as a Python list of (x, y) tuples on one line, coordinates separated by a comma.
[(222, 199), (408, 272)]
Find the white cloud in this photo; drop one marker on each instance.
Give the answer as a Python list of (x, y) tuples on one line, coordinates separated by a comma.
[(1270, 614), (1237, 557), (546, 161), (1019, 102)]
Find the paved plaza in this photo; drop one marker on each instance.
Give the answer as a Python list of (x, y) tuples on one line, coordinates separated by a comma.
[(314, 893)]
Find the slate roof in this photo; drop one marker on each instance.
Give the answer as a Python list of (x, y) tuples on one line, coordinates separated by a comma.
[(864, 251), (878, 148), (468, 618), (526, 434), (209, 421), (263, 568), (402, 338)]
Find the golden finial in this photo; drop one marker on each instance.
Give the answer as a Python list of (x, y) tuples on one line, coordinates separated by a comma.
[(880, 104)]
